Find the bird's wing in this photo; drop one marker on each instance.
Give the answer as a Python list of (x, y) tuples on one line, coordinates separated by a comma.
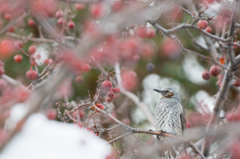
[(183, 120)]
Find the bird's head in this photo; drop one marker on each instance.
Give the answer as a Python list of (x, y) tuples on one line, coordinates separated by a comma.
[(167, 92)]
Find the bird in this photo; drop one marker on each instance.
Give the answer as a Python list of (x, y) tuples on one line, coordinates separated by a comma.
[(170, 118)]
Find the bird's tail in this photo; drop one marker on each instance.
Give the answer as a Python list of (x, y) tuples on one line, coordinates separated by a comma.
[(170, 152), (173, 151)]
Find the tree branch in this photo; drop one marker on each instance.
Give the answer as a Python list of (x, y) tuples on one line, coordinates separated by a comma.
[(133, 97)]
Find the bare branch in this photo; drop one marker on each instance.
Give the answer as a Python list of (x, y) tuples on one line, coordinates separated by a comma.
[(133, 97)]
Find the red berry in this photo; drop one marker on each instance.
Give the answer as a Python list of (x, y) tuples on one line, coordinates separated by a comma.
[(59, 14), (38, 56), (79, 6), (31, 74), (1, 64), (189, 125), (6, 48), (11, 29), (51, 114), (81, 113), (31, 22), (18, 43), (97, 10), (106, 85), (7, 16), (71, 24), (79, 125), (32, 61), (116, 90), (206, 75), (230, 116), (129, 80), (151, 33), (169, 48), (136, 57), (32, 49), (61, 21), (47, 61), (18, 58), (235, 150), (110, 94), (235, 46), (117, 5), (2, 71), (126, 121), (85, 67), (210, 1), (79, 79), (2, 83), (237, 83), (22, 95), (208, 29), (215, 70), (109, 99), (100, 106), (142, 31), (202, 24)]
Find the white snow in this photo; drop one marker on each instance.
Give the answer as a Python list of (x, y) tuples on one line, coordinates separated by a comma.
[(41, 138)]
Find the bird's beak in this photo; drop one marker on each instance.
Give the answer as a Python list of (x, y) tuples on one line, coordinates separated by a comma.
[(157, 90)]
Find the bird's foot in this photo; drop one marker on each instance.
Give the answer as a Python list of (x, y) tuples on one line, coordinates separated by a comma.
[(162, 132)]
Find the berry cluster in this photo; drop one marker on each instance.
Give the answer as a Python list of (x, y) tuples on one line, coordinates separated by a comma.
[(107, 85)]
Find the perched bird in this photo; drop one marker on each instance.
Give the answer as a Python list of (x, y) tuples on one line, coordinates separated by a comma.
[(170, 118)]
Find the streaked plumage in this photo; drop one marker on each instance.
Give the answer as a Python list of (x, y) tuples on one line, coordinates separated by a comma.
[(170, 118)]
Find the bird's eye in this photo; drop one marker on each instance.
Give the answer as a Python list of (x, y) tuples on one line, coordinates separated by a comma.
[(166, 91)]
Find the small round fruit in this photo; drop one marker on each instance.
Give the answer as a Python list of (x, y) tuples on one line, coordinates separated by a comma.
[(32, 49), (7, 16), (59, 14), (205, 75), (109, 99), (117, 5), (106, 85), (126, 121), (151, 33), (79, 6), (18, 43), (79, 79), (51, 114), (236, 45), (6, 48), (31, 74), (136, 57), (1, 64), (71, 24), (61, 21), (142, 32), (208, 29), (48, 61), (237, 83), (116, 90), (18, 58), (85, 67), (215, 70), (2, 71), (2, 83), (202, 24), (100, 106), (110, 94), (11, 29), (97, 10), (150, 67), (31, 22)]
